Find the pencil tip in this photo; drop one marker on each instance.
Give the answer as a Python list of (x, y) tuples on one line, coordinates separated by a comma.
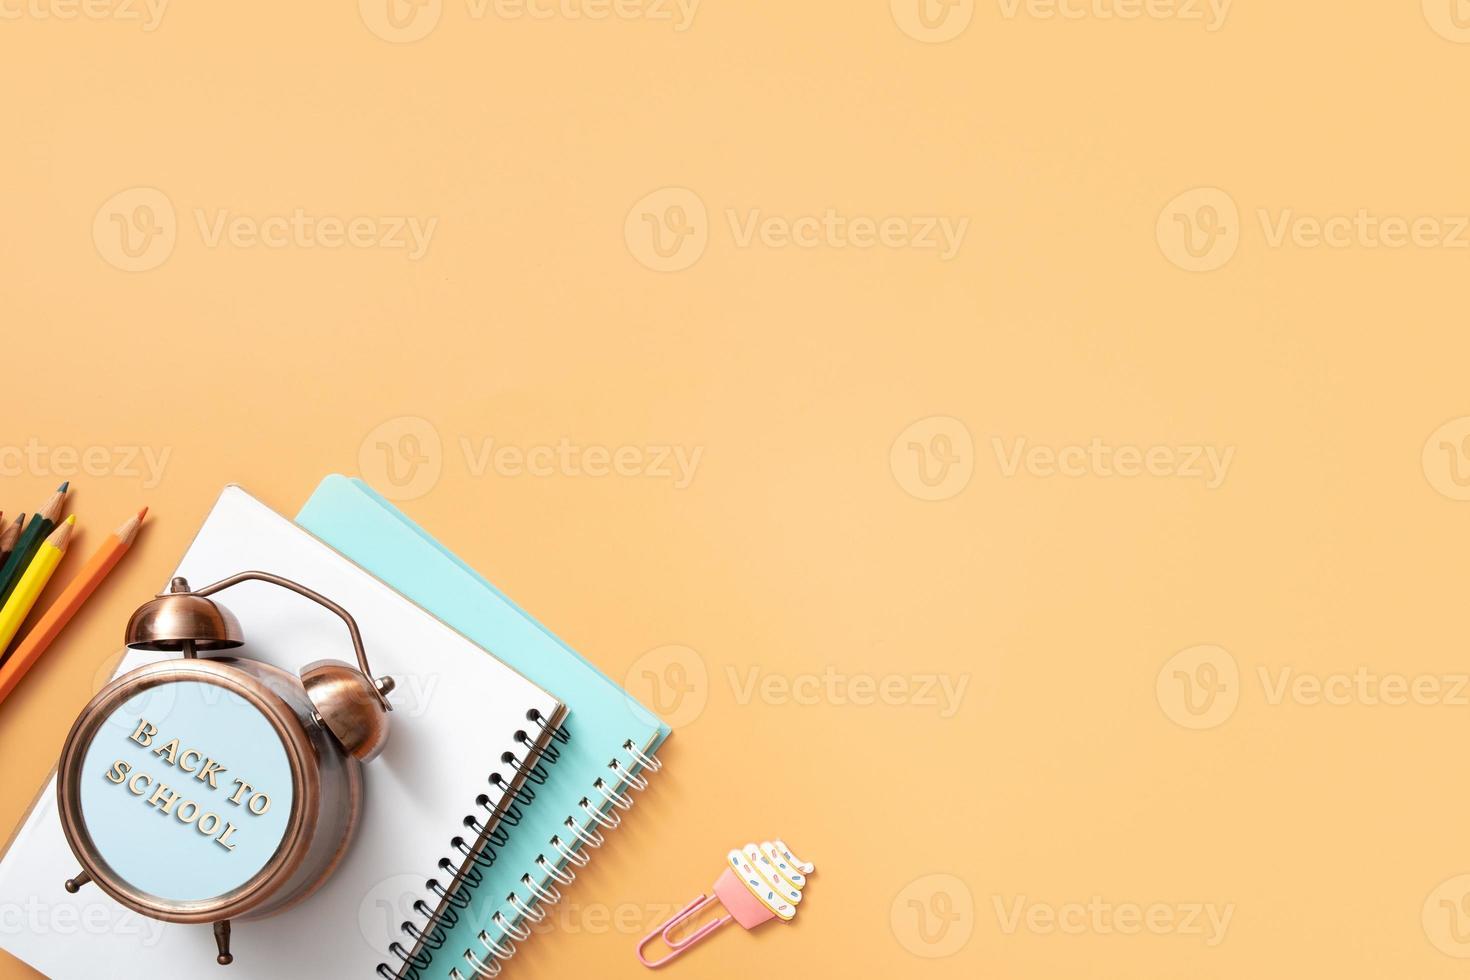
[(63, 487), (142, 513), (72, 519)]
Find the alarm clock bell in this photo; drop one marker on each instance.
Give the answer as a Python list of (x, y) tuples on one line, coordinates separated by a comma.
[(256, 771)]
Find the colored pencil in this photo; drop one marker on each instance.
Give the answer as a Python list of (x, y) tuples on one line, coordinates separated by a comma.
[(9, 536), (33, 580), (76, 593), (42, 523)]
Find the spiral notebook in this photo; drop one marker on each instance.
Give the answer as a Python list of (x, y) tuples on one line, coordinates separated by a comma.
[(460, 747), (601, 755)]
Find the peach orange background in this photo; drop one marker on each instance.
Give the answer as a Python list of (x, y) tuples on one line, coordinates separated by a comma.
[(1176, 229)]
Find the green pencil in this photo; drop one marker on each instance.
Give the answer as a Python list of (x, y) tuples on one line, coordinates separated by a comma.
[(43, 522)]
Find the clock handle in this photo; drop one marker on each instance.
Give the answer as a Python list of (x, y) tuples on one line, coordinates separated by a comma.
[(381, 686)]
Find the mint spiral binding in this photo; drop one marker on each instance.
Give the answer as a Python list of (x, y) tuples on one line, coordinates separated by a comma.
[(558, 863), (464, 865)]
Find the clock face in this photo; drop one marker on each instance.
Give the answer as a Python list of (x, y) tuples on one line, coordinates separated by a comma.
[(185, 790)]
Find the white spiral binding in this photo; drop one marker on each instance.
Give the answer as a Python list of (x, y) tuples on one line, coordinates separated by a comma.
[(565, 855)]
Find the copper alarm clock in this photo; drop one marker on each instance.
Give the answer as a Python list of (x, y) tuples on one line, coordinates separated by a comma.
[(209, 789)]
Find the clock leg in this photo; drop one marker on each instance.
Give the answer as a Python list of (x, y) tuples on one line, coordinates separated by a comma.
[(73, 885), (222, 940)]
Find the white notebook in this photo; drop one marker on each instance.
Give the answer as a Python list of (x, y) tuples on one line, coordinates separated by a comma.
[(456, 710)]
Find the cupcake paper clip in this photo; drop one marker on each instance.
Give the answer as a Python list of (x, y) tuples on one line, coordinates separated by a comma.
[(760, 882)]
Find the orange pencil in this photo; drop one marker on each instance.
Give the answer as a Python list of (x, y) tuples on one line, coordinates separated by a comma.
[(77, 591)]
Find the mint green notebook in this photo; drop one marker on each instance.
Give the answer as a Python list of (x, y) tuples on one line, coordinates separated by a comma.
[(600, 756)]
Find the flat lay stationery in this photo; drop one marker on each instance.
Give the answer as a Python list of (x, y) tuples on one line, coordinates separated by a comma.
[(604, 751), (163, 848)]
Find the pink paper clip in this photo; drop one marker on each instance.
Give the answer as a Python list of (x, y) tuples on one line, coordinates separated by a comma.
[(760, 882)]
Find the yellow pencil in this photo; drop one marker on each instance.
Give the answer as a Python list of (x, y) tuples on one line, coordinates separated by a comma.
[(36, 575)]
